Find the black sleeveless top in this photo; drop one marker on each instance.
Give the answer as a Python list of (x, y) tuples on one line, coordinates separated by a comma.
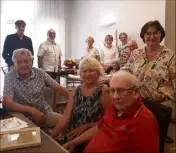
[(86, 109)]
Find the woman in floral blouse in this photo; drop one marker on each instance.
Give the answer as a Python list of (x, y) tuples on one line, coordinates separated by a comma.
[(154, 65)]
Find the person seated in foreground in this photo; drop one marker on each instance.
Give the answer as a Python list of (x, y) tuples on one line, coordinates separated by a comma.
[(88, 104), (23, 90), (126, 127)]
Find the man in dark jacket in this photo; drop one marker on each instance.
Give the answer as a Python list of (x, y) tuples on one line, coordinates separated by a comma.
[(16, 41)]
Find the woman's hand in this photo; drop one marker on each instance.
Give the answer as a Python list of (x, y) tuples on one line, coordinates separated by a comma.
[(77, 131)]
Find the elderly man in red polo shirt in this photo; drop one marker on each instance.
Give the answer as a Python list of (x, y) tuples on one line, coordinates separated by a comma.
[(126, 127)]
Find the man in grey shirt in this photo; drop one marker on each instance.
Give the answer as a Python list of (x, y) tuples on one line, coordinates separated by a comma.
[(23, 90)]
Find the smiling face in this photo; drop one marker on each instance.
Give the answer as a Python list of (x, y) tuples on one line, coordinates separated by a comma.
[(152, 36), (123, 39), (89, 42), (23, 64), (90, 70), (51, 34), (108, 42), (90, 76)]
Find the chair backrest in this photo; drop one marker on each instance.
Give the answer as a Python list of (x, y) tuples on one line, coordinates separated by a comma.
[(4, 69), (163, 115)]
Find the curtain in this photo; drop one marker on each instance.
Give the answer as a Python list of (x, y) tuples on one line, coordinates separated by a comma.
[(40, 16), (49, 15)]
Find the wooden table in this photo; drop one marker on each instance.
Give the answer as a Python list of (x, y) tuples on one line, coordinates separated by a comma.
[(48, 145)]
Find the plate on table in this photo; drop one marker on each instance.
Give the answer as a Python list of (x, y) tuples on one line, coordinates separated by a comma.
[(74, 76), (107, 76)]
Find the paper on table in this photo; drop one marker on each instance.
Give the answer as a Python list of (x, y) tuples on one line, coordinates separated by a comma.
[(12, 124)]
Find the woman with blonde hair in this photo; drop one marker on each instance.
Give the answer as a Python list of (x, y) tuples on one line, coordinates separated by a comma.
[(88, 104), (90, 50)]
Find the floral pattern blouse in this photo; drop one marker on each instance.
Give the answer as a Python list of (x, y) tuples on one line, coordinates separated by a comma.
[(124, 54), (157, 77)]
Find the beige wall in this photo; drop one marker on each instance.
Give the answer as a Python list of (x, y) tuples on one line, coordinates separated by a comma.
[(170, 24)]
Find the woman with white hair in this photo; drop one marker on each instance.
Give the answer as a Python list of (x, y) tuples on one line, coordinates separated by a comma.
[(88, 104), (113, 69)]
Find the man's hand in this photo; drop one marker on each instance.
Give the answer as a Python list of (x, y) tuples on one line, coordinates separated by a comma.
[(77, 131), (38, 117), (70, 146)]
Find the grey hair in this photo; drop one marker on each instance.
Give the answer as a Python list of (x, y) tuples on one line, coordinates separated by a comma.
[(90, 63), (49, 31), (21, 51), (127, 76), (116, 60)]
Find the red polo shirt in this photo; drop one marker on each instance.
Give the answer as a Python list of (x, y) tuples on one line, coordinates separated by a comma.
[(133, 132)]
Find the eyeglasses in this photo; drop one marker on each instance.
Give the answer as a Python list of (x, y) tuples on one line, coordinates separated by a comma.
[(149, 34), (52, 33), (120, 91)]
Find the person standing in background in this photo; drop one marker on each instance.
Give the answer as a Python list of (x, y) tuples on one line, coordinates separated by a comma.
[(90, 50), (49, 53), (123, 48), (16, 41), (109, 53)]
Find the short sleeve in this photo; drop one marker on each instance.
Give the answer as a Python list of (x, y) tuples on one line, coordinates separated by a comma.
[(60, 52), (8, 86), (41, 51), (49, 82)]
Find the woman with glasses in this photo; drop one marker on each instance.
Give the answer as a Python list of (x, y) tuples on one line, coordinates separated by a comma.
[(154, 65)]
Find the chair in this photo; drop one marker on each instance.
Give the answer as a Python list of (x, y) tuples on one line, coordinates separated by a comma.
[(4, 69), (163, 116)]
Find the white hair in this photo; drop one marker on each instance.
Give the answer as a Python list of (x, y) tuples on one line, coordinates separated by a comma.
[(21, 51), (49, 31), (116, 61), (90, 63), (126, 76)]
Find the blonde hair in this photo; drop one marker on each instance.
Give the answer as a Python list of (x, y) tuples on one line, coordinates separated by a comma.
[(90, 63), (88, 38)]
